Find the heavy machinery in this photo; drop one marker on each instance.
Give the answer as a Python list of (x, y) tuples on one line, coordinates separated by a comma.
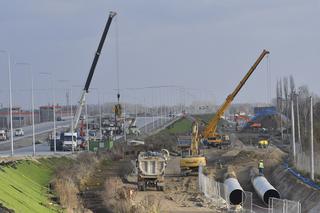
[(191, 158), (3, 135), (263, 143), (132, 129), (89, 78), (210, 136), (151, 169)]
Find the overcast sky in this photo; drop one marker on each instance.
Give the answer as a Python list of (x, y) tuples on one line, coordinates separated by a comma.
[(207, 45)]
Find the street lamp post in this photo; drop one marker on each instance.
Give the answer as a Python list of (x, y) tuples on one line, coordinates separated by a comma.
[(10, 99), (32, 103)]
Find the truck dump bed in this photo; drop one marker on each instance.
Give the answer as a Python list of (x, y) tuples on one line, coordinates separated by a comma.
[(151, 163)]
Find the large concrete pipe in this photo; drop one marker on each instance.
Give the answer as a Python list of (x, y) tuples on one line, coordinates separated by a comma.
[(263, 188), (233, 190)]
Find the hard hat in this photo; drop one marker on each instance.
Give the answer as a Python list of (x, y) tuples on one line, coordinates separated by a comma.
[(261, 160)]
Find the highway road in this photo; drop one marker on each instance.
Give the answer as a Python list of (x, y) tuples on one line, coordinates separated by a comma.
[(44, 149), (39, 129)]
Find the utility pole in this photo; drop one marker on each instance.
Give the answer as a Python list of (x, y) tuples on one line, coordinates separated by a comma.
[(298, 119), (54, 117), (293, 133), (124, 124), (311, 137), (72, 118), (87, 123)]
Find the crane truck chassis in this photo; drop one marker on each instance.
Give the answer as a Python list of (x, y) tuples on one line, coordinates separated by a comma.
[(151, 169)]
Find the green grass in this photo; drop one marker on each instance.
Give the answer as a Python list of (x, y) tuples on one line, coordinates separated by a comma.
[(181, 126), (184, 125), (24, 188)]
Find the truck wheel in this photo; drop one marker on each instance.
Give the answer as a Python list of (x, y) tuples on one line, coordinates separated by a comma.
[(161, 188)]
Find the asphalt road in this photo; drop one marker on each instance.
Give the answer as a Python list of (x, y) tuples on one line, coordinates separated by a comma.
[(44, 149), (39, 129)]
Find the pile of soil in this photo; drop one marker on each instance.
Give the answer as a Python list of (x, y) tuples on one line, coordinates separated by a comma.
[(162, 140)]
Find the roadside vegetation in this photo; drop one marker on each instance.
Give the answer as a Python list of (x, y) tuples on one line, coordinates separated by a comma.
[(24, 185)]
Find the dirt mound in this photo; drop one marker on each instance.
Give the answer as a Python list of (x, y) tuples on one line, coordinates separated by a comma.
[(162, 140)]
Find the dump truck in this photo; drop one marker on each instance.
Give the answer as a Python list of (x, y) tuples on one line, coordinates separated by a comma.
[(151, 169)]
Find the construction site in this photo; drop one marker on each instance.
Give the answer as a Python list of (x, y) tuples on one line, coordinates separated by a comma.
[(155, 146)]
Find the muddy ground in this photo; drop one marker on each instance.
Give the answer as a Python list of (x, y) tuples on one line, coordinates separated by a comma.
[(181, 193)]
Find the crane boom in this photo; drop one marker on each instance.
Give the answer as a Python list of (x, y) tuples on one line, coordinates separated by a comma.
[(212, 126), (92, 69)]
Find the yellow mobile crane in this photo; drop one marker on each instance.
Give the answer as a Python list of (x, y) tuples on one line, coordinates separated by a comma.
[(210, 136), (191, 160)]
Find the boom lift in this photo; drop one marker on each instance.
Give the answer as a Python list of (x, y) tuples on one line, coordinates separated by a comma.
[(210, 135), (92, 69)]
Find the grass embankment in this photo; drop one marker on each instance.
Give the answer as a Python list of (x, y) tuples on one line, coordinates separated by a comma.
[(167, 138), (23, 185), (181, 126)]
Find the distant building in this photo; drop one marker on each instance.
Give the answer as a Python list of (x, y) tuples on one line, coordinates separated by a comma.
[(46, 113), (263, 110), (19, 117)]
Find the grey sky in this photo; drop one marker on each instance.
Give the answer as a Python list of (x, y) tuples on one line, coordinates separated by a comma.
[(196, 43)]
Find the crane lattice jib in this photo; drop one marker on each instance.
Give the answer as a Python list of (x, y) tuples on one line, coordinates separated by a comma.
[(212, 126)]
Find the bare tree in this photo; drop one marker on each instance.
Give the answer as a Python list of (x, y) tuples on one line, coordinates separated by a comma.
[(292, 86), (303, 95)]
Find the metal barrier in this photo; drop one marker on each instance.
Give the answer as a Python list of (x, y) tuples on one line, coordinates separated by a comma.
[(284, 206), (216, 192)]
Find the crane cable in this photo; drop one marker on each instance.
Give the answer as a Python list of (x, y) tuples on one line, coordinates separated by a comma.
[(117, 107), (269, 81), (117, 57)]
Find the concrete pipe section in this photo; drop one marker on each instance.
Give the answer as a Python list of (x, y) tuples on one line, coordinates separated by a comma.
[(263, 188), (234, 191)]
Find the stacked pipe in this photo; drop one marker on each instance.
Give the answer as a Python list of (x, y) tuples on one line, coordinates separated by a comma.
[(263, 188), (233, 190)]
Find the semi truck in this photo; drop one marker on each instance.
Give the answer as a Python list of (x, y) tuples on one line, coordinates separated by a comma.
[(151, 169)]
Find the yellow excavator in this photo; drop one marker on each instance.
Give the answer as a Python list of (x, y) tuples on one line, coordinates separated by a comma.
[(210, 137), (191, 159)]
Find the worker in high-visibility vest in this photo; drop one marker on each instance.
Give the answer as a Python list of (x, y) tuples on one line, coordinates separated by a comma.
[(260, 167)]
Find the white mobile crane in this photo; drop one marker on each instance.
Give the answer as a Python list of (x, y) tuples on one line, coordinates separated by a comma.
[(72, 144)]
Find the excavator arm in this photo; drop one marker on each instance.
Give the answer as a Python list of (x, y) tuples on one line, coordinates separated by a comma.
[(212, 126)]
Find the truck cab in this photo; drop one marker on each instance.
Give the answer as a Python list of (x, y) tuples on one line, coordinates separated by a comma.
[(19, 132), (69, 140), (3, 135)]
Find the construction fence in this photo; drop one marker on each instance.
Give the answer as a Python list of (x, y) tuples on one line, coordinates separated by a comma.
[(216, 192)]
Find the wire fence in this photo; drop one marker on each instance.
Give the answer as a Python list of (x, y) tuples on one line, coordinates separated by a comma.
[(283, 206), (216, 191)]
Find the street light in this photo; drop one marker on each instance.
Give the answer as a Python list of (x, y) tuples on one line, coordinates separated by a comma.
[(54, 111), (32, 101), (10, 99)]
